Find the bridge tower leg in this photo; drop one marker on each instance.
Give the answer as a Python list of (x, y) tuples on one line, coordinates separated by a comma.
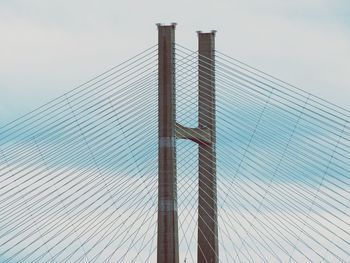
[(204, 135), (168, 247), (207, 250)]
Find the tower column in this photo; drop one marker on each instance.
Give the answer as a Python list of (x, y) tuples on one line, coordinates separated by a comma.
[(207, 200), (168, 247)]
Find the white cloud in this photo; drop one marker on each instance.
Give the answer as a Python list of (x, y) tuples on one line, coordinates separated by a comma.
[(54, 46), (78, 226)]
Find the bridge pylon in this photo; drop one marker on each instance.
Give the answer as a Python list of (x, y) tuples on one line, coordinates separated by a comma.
[(204, 135)]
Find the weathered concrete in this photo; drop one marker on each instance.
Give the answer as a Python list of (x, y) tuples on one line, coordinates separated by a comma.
[(168, 248), (207, 200)]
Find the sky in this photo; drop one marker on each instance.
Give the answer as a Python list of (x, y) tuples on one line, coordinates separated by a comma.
[(50, 47)]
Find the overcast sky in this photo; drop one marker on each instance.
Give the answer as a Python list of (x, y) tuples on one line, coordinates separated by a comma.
[(49, 47)]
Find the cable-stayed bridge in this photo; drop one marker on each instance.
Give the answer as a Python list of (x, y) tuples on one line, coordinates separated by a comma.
[(79, 175)]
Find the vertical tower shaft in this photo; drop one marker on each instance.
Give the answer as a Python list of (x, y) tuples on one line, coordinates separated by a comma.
[(167, 250), (207, 200)]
